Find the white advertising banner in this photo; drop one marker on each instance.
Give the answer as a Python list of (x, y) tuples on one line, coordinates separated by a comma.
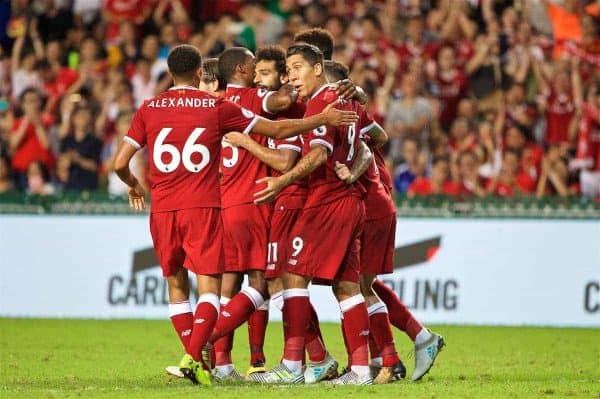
[(465, 271)]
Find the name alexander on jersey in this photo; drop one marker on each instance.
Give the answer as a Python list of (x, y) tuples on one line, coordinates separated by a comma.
[(172, 102)]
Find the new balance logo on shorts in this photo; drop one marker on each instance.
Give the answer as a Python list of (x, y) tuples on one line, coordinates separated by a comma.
[(198, 321), (364, 333), (225, 314)]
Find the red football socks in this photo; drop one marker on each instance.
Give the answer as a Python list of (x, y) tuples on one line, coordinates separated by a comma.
[(257, 328), (381, 333), (236, 312), (399, 315), (356, 328), (296, 316), (183, 321), (205, 319)]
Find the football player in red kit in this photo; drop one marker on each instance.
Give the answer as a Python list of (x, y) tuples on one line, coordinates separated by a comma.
[(377, 257), (183, 128), (281, 156), (338, 208)]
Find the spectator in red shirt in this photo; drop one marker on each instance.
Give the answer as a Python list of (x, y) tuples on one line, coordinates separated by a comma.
[(468, 180), (438, 183), (57, 81), (448, 83), (558, 100), (415, 45), (29, 137), (554, 177), (509, 182)]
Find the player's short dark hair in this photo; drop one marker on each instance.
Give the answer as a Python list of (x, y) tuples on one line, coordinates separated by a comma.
[(230, 59), (309, 52), (321, 38), (272, 53), (184, 61), (336, 71), (210, 72)]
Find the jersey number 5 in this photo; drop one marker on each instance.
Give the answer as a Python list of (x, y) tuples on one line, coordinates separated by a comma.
[(190, 147)]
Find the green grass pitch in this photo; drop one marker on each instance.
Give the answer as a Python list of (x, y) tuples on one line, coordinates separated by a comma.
[(126, 359)]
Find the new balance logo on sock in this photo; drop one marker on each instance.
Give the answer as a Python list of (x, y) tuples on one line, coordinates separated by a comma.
[(364, 333), (185, 333), (199, 321), (225, 314)]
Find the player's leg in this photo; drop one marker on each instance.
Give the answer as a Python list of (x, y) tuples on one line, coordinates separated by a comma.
[(257, 323), (248, 241), (180, 312), (356, 331), (204, 257), (205, 318), (296, 315), (428, 344), (171, 257), (391, 368), (224, 368)]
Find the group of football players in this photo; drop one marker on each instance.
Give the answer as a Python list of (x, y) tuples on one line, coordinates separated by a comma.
[(269, 166)]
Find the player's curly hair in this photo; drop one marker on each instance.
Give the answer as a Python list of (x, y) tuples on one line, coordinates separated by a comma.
[(272, 53), (184, 61), (321, 38)]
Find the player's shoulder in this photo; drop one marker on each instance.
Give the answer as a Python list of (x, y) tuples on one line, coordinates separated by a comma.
[(326, 93)]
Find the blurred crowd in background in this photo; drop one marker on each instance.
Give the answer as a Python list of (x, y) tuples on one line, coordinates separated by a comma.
[(479, 97)]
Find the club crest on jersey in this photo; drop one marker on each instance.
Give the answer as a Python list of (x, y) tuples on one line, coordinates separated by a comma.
[(247, 113), (320, 131)]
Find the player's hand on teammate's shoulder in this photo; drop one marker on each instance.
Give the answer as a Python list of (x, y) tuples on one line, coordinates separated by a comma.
[(137, 198), (273, 186), (236, 139), (343, 173), (345, 88), (336, 117)]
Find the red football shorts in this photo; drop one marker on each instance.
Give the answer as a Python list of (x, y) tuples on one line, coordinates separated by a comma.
[(325, 243), (246, 236), (190, 238), (377, 246), (278, 252)]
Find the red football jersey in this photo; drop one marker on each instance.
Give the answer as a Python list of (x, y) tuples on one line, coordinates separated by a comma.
[(378, 202), (561, 108), (294, 195), (182, 128), (342, 145), (240, 168)]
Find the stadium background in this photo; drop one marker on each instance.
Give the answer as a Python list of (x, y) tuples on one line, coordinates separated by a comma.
[(494, 116)]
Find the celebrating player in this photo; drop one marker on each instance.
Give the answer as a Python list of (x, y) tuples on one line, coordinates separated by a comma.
[(281, 156), (183, 128), (339, 211)]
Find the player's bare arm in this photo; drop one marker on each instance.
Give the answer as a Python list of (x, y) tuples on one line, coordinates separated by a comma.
[(282, 99), (137, 193), (364, 157), (283, 129), (281, 160), (378, 135), (305, 166)]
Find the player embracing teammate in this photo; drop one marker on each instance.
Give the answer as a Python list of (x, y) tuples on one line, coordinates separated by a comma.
[(281, 246)]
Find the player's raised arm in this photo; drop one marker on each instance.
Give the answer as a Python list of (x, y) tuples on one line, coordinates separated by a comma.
[(292, 127), (364, 157), (278, 159), (309, 163)]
